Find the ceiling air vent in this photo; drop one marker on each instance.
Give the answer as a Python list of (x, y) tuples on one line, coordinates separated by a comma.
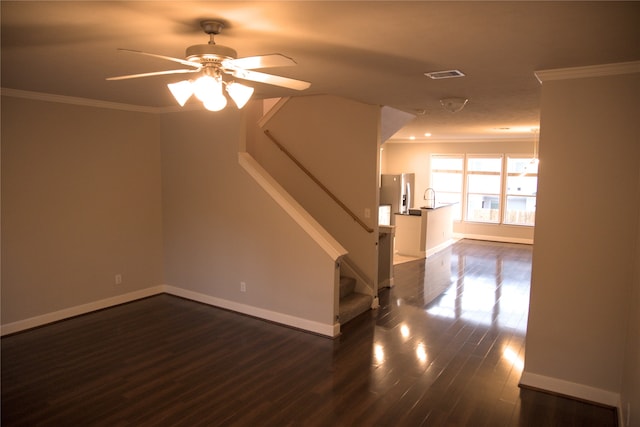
[(436, 75)]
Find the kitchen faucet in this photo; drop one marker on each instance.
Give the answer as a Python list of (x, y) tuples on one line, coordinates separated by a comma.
[(430, 195)]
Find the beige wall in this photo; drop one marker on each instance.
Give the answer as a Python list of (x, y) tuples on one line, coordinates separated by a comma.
[(221, 228), (584, 264), (81, 202), (416, 158), (337, 140), (90, 192), (631, 368)]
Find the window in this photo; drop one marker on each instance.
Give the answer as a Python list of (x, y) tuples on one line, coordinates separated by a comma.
[(493, 189), (484, 181), (446, 180), (522, 186)]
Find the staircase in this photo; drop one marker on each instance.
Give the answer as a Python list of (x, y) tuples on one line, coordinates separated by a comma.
[(352, 303)]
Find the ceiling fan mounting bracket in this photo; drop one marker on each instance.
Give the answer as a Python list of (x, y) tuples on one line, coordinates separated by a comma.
[(210, 53), (211, 27)]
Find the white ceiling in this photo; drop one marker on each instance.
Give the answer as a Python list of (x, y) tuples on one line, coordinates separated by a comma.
[(371, 51)]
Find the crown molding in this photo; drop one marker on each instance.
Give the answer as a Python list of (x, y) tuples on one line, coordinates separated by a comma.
[(63, 99), (463, 140), (588, 71)]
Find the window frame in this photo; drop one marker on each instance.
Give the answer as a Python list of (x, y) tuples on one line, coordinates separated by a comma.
[(462, 158), (503, 195), (506, 194), (500, 193)]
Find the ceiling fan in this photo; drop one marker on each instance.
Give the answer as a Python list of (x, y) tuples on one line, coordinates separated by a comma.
[(213, 62)]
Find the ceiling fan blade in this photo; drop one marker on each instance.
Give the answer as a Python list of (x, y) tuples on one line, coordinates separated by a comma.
[(155, 73), (271, 79), (261, 61), (168, 58)]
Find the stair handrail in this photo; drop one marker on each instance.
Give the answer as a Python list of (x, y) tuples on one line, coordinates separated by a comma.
[(318, 182)]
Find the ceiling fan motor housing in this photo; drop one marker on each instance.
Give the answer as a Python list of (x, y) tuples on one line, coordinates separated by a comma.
[(210, 53)]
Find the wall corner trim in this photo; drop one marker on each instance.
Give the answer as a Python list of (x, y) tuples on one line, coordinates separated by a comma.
[(86, 102), (570, 389), (588, 71)]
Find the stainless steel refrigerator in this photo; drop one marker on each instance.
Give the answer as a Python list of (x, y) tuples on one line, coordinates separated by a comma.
[(397, 191)]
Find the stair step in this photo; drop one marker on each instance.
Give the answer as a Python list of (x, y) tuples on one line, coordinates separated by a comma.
[(353, 305), (347, 286)]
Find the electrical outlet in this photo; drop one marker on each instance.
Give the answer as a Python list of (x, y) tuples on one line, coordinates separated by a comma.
[(367, 213), (118, 279), (243, 287)]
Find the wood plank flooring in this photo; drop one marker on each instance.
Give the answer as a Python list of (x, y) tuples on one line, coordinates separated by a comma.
[(444, 349)]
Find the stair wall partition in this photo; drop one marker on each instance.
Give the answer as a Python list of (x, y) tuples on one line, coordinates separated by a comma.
[(319, 183), (229, 242), (325, 240), (324, 151)]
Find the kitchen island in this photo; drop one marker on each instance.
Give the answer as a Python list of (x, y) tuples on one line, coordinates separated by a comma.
[(425, 232)]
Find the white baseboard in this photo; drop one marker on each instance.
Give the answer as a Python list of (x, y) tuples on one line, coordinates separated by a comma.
[(328, 330), (489, 238), (66, 313), (439, 247), (571, 389)]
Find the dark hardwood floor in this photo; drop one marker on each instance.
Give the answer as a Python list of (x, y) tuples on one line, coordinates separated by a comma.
[(444, 349)]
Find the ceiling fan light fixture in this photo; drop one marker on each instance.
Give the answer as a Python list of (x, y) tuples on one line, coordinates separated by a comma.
[(205, 88), (208, 89), (239, 93), (181, 91), (215, 103), (213, 62)]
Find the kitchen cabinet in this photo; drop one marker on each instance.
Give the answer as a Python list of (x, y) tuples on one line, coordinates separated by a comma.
[(425, 234)]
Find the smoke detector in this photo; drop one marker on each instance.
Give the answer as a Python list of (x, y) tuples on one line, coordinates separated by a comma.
[(453, 105)]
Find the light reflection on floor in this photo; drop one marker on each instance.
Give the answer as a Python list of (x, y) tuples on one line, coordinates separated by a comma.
[(467, 301)]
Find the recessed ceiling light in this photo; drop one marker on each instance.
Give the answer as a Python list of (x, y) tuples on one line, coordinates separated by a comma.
[(448, 74), (516, 129), (427, 134), (412, 137)]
